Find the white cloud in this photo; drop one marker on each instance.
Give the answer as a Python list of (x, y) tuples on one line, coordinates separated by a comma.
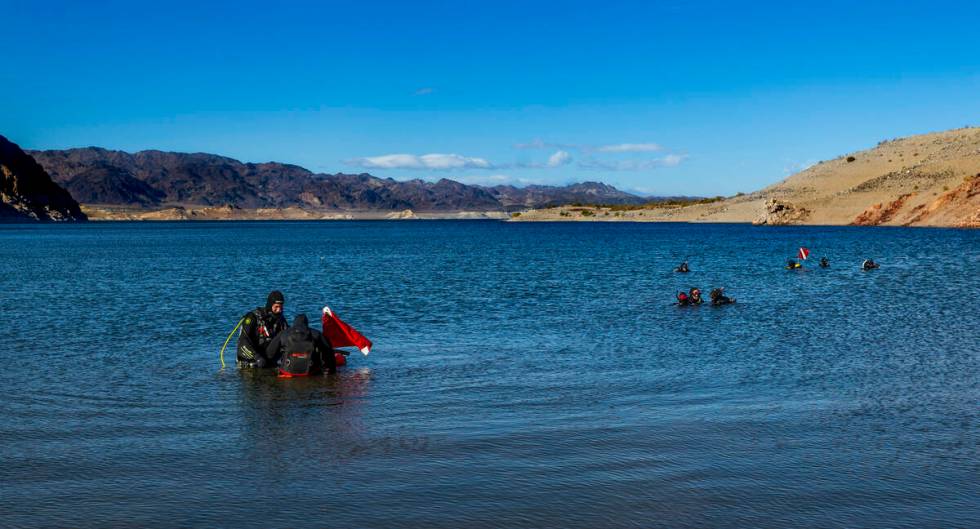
[(493, 180), (598, 159), (453, 161), (426, 161), (536, 143), (643, 191), (424, 91), (630, 147), (559, 158), (795, 167), (671, 160)]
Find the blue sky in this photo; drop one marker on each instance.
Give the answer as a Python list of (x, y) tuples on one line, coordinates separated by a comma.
[(667, 98)]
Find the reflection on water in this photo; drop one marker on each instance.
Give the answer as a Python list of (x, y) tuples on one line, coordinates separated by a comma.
[(287, 419), (523, 376)]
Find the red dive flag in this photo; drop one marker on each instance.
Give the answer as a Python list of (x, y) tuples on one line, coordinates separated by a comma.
[(342, 335), (804, 253)]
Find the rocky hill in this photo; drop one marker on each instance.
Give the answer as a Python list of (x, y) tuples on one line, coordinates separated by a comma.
[(156, 179), (926, 180), (27, 192), (534, 196)]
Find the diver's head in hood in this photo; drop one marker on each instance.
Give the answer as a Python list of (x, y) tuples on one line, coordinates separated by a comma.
[(274, 302), (300, 330)]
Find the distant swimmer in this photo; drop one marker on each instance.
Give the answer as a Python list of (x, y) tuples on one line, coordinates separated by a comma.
[(682, 299), (791, 264), (694, 296), (824, 263), (718, 297), (868, 264), (683, 268)]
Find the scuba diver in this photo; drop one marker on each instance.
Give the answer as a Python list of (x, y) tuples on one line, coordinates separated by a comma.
[(259, 328), (694, 296), (791, 264), (682, 299), (824, 263), (718, 297), (683, 268), (302, 351), (868, 264)]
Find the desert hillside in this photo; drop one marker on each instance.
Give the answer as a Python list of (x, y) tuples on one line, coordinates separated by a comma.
[(926, 180)]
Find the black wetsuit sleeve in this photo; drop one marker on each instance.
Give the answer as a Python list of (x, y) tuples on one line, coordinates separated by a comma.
[(326, 352), (274, 349), (247, 340)]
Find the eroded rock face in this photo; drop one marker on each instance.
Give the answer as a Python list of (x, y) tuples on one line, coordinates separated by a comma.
[(403, 215), (780, 213), (959, 207), (27, 192), (880, 213)]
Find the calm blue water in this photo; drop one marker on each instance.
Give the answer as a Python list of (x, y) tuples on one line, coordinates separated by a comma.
[(524, 375)]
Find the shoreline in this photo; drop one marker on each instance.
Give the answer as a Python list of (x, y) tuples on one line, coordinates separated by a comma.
[(103, 213), (573, 214)]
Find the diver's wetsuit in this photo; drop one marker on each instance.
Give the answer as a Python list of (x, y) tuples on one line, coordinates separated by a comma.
[(719, 298), (323, 358), (694, 297), (259, 327)]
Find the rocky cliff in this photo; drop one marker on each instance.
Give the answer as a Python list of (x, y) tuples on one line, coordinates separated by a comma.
[(27, 192)]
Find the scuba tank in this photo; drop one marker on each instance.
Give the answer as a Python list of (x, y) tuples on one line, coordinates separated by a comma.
[(297, 356)]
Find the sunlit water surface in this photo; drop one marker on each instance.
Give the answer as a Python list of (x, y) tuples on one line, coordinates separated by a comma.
[(524, 375)]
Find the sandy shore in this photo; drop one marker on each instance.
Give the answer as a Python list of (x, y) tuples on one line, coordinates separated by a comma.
[(230, 213)]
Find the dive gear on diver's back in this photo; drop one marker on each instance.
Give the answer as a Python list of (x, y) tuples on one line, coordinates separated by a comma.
[(297, 358)]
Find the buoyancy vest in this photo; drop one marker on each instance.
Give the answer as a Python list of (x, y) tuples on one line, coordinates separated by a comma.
[(297, 355)]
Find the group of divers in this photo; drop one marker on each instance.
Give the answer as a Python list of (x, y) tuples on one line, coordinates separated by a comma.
[(267, 342), (717, 296)]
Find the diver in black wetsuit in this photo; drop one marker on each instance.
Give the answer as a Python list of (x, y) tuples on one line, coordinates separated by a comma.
[(694, 296), (718, 297), (791, 264), (824, 263), (868, 264), (683, 268), (682, 299), (300, 350), (259, 327)]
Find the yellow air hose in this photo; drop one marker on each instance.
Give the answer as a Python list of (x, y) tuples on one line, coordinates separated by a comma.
[(228, 339)]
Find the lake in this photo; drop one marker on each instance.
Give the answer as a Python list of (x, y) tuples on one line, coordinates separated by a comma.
[(523, 375)]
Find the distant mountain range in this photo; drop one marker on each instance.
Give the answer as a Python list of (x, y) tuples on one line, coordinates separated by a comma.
[(155, 179)]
